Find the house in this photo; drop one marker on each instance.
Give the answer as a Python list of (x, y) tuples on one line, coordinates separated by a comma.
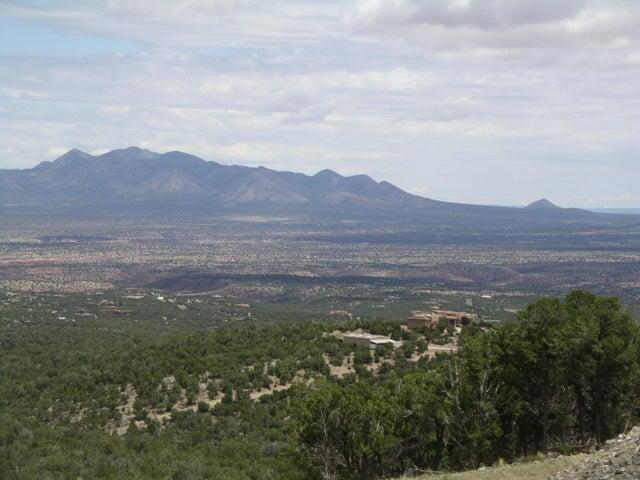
[(454, 318), (368, 340), (421, 320), (431, 319)]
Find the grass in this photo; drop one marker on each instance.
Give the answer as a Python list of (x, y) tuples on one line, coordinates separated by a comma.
[(534, 470)]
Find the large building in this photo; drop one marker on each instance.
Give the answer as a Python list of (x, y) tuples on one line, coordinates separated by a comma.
[(431, 319), (455, 318), (367, 340), (421, 319)]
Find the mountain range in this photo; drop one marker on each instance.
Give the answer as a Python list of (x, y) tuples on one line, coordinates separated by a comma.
[(135, 178), (133, 174)]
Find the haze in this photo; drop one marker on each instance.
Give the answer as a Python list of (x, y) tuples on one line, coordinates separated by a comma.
[(502, 104)]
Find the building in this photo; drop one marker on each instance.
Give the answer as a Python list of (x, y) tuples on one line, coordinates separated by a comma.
[(367, 340), (421, 320), (431, 319), (454, 318)]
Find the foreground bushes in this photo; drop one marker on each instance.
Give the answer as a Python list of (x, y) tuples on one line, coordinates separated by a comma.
[(566, 374)]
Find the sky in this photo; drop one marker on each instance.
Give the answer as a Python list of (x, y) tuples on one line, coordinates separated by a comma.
[(476, 101)]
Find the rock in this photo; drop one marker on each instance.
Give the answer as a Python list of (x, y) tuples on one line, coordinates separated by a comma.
[(618, 460)]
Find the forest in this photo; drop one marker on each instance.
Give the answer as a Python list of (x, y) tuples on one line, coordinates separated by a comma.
[(128, 396)]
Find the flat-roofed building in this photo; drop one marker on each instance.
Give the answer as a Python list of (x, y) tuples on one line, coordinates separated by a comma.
[(431, 319), (454, 318), (376, 342), (367, 340)]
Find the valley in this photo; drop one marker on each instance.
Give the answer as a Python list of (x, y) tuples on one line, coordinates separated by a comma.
[(146, 332), (279, 259), (311, 240)]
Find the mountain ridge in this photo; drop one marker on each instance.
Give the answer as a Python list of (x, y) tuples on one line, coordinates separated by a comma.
[(136, 179), (135, 174)]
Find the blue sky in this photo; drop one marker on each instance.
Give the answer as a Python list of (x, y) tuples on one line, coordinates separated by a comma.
[(491, 101), (26, 38)]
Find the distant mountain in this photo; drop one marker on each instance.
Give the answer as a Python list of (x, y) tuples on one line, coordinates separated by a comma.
[(133, 174), (147, 182), (542, 204)]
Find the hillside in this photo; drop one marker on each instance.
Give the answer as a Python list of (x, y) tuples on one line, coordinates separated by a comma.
[(620, 459), (153, 385), (133, 179)]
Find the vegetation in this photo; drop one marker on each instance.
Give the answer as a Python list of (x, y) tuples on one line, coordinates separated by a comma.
[(109, 387), (563, 376)]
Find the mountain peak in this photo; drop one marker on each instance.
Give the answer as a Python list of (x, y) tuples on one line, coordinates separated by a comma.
[(74, 152), (130, 153), (543, 203), (71, 157), (327, 173)]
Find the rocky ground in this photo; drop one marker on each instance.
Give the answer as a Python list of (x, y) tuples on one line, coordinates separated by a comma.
[(619, 460)]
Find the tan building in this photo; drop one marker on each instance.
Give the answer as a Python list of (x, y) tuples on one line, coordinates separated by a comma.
[(431, 319), (367, 340), (454, 318), (421, 320)]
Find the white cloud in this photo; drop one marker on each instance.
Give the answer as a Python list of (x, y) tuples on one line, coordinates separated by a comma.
[(484, 14), (174, 24), (501, 24), (57, 151), (99, 151), (461, 100), (189, 11), (116, 109), (20, 93)]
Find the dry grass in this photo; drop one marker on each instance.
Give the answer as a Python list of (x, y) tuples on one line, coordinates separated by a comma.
[(535, 470)]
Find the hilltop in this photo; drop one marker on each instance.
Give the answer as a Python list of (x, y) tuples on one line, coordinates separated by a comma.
[(542, 204)]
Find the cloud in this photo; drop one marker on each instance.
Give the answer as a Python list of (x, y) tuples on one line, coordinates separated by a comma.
[(20, 93), (500, 24), (478, 100), (171, 25), (189, 11), (57, 151), (116, 109), (484, 14)]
